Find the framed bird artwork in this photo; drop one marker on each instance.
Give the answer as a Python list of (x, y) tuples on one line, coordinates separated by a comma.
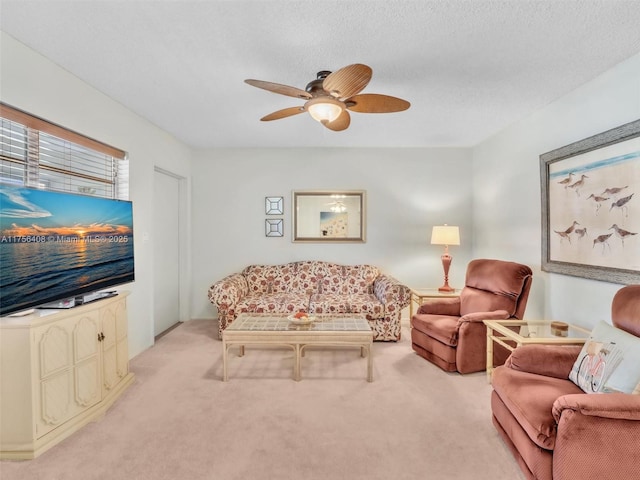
[(591, 207)]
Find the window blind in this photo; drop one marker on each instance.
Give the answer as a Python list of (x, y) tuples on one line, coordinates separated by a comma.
[(37, 153)]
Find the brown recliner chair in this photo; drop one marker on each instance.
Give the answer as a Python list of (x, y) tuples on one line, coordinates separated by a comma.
[(449, 331), (554, 429)]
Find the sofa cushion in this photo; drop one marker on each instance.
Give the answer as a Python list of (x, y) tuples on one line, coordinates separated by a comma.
[(476, 300), (548, 360), (358, 279), (353, 303), (273, 303), (270, 278), (325, 277), (309, 275), (444, 328), (488, 288), (608, 361), (532, 411), (534, 461)]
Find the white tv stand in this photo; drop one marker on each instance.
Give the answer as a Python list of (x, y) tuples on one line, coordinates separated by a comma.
[(59, 370)]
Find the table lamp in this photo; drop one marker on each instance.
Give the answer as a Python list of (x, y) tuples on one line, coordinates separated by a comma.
[(445, 235)]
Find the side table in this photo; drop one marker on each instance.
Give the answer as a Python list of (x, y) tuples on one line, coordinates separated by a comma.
[(419, 295), (522, 332)]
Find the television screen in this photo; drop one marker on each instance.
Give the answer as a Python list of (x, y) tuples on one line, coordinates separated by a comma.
[(55, 246)]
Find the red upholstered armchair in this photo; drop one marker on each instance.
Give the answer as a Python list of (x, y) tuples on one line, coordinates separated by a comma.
[(449, 331), (554, 429)]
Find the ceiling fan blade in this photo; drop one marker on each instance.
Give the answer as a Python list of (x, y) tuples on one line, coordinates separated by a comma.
[(340, 123), (284, 113), (376, 103), (278, 88), (347, 81)]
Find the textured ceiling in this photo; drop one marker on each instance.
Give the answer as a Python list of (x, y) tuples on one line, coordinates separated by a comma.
[(468, 67)]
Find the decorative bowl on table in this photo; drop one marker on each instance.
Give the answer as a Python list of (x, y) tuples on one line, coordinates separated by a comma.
[(298, 319)]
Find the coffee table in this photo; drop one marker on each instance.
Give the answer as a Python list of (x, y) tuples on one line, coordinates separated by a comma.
[(341, 330), (527, 332)]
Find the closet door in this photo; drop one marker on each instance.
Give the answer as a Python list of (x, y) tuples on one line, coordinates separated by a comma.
[(166, 241)]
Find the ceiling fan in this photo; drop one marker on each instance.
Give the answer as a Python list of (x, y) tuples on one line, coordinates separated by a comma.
[(331, 95)]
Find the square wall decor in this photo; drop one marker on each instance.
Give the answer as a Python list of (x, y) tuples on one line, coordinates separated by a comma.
[(274, 205), (274, 227)]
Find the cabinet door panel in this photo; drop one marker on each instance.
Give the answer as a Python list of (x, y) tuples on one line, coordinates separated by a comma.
[(109, 375), (108, 326), (122, 345), (69, 369), (55, 354), (86, 350), (88, 391), (121, 321), (55, 382), (122, 359), (85, 337), (56, 402), (109, 359)]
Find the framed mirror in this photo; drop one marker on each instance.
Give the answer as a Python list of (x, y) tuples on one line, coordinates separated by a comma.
[(329, 216)]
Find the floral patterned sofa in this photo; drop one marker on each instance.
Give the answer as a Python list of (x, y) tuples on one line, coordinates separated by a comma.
[(313, 287)]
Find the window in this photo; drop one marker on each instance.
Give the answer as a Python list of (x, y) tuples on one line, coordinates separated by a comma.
[(37, 153)]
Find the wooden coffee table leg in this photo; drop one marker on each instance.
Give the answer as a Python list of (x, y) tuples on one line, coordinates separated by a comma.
[(224, 361), (296, 366)]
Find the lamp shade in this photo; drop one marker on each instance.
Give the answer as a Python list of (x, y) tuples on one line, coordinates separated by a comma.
[(445, 235), (324, 109)]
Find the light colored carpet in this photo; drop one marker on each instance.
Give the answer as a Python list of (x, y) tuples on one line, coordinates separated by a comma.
[(179, 421)]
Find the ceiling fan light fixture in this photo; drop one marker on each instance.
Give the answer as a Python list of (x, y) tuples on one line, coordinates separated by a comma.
[(324, 109), (338, 207), (332, 96)]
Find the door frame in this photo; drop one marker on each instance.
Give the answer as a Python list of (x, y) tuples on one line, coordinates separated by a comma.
[(183, 239)]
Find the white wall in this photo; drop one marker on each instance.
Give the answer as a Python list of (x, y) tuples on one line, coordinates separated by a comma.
[(34, 84), (507, 198), (408, 191)]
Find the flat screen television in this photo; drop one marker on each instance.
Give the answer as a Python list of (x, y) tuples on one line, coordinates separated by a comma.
[(60, 247)]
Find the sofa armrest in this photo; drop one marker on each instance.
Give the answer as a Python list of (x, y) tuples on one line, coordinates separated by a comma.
[(619, 406), (548, 360), (480, 316), (597, 436), (441, 306), (391, 292), (226, 293)]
